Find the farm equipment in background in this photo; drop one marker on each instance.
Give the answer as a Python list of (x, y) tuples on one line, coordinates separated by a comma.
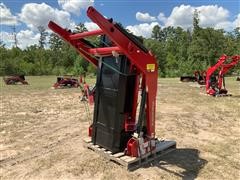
[(87, 92), (124, 67), (200, 77), (15, 79), (188, 79), (215, 82), (66, 82)]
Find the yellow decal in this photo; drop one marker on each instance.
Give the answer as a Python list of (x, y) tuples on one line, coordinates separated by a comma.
[(151, 67)]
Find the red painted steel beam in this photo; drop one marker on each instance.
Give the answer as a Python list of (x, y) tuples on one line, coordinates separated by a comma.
[(66, 36), (60, 31), (86, 34), (134, 53), (105, 51), (212, 69)]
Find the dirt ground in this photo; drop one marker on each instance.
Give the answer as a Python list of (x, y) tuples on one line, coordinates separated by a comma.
[(42, 130)]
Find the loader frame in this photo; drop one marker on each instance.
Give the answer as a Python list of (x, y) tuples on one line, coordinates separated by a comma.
[(215, 82), (142, 63)]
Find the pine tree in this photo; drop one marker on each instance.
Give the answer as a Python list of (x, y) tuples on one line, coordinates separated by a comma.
[(43, 36)]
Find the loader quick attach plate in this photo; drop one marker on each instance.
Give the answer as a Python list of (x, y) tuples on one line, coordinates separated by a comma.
[(132, 163)]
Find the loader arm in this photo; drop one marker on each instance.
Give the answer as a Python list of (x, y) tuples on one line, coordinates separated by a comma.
[(225, 68), (142, 61), (211, 70), (124, 67)]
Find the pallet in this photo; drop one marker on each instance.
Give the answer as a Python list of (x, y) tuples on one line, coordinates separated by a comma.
[(219, 95), (132, 163), (223, 95)]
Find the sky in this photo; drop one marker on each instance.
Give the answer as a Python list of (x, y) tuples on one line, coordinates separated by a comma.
[(138, 16)]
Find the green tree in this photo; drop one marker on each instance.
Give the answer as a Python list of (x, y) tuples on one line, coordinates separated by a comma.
[(156, 32), (55, 42), (196, 21), (43, 36), (80, 28)]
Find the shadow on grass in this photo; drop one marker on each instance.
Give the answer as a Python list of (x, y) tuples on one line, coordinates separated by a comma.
[(186, 159)]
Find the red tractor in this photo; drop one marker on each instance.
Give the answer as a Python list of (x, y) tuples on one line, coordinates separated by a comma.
[(125, 67), (15, 79), (66, 82), (215, 82)]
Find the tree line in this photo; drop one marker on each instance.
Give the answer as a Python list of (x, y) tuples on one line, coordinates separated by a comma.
[(178, 52)]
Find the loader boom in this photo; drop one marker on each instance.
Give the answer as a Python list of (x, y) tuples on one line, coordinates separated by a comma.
[(141, 59), (215, 83), (225, 68), (124, 67)]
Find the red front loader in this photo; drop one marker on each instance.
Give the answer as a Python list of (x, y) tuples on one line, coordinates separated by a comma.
[(215, 83), (124, 68)]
